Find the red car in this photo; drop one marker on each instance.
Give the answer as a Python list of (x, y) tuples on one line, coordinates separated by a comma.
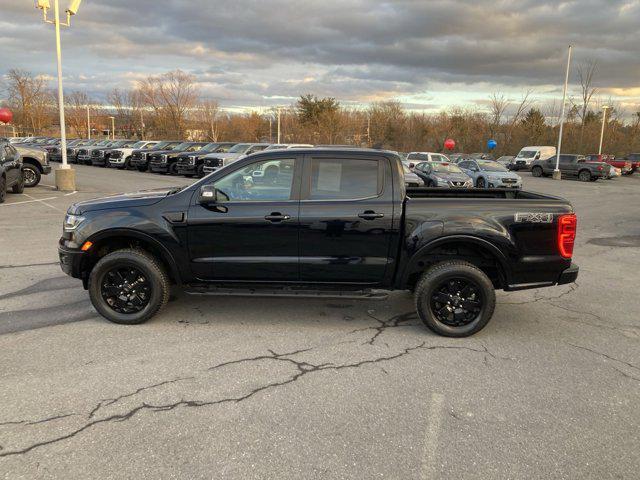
[(624, 164)]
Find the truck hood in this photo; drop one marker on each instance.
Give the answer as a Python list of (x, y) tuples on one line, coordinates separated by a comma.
[(141, 198), (222, 155)]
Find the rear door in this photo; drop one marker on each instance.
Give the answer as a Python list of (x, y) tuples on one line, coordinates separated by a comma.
[(9, 160), (346, 218)]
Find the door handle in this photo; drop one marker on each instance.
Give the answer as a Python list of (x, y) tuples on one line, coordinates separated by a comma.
[(370, 215), (277, 217)]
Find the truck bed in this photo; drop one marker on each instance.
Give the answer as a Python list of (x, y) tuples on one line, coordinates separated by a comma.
[(424, 192)]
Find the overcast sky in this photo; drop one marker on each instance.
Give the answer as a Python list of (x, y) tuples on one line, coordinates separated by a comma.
[(426, 53)]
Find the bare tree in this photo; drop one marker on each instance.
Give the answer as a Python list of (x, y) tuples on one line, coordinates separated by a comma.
[(525, 104), (76, 105), (586, 71), (30, 98), (498, 104), (208, 118)]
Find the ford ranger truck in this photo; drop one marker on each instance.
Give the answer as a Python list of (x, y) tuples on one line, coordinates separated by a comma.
[(319, 222)]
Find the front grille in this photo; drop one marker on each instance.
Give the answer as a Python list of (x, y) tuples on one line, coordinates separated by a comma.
[(213, 162), (97, 153), (136, 156), (509, 180), (116, 154), (69, 151), (82, 151), (457, 184)]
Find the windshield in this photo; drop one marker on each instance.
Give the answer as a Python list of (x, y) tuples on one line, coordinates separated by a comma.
[(241, 147), (209, 147), (491, 166), (180, 147), (275, 146), (418, 156), (138, 145), (445, 167), (527, 154)]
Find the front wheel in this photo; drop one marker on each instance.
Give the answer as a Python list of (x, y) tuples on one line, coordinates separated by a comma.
[(142, 169), (31, 175), (128, 286), (584, 176), (455, 299), (3, 189), (481, 183)]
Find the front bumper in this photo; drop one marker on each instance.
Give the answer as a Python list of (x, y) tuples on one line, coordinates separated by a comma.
[(159, 167), (186, 169), (46, 169), (84, 159), (208, 169), (70, 261)]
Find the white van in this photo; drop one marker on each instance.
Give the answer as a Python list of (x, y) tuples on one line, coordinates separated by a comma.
[(529, 154), (414, 158)]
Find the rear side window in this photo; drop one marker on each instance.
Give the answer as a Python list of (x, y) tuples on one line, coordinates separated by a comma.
[(337, 179)]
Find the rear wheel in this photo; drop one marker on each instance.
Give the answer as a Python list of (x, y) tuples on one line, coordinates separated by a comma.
[(201, 171), (455, 299), (3, 189), (128, 286), (537, 171), (18, 187), (481, 183), (127, 163), (584, 176)]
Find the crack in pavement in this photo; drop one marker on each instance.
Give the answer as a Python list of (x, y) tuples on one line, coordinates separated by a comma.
[(303, 368), (607, 356), (393, 322), (36, 422), (30, 265), (572, 288), (632, 329)]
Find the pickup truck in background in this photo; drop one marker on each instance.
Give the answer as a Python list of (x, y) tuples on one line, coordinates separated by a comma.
[(623, 164), (319, 222), (571, 166)]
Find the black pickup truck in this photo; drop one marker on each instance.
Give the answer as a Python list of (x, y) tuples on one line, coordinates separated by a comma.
[(319, 222)]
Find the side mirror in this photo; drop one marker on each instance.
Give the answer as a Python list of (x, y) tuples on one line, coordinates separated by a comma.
[(412, 165), (208, 195), (537, 157)]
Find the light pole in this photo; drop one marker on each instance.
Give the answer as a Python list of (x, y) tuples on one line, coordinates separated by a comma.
[(278, 124), (65, 175), (88, 124), (604, 119), (113, 128), (556, 173)]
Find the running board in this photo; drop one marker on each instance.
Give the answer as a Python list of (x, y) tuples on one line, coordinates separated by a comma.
[(287, 292)]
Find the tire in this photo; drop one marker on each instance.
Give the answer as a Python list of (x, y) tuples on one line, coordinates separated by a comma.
[(200, 173), (480, 183), (19, 186), (537, 171), (173, 169), (31, 175), (441, 276), (156, 279), (142, 169), (127, 163), (584, 175), (429, 183), (3, 189)]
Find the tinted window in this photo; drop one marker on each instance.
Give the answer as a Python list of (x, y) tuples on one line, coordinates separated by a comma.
[(269, 180), (439, 158), (488, 166), (342, 179)]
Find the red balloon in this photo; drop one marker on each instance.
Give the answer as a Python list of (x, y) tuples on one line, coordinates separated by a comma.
[(449, 144), (5, 115)]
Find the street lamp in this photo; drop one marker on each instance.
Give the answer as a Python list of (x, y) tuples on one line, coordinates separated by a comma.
[(557, 175), (604, 118), (65, 175), (113, 128)]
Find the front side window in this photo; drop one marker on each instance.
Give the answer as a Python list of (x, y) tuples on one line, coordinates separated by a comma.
[(265, 181), (336, 179)]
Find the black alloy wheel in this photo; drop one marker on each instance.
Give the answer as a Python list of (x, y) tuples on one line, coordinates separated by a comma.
[(456, 302), (481, 183), (584, 176), (125, 289)]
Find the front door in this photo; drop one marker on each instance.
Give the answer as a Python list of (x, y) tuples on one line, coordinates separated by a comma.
[(251, 233), (346, 219), (9, 159)]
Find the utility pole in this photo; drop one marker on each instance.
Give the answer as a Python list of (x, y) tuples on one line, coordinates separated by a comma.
[(557, 175), (278, 124), (113, 128), (88, 123), (604, 118)]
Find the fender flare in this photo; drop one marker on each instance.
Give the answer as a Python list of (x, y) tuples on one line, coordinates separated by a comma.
[(167, 257), (424, 250)]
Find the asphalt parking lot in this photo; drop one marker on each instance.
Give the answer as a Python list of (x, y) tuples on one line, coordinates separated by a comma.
[(289, 388)]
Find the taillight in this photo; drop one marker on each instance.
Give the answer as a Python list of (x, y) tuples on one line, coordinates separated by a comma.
[(600, 167), (567, 234)]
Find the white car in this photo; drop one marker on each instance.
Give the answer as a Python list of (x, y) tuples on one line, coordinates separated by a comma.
[(120, 157), (413, 158)]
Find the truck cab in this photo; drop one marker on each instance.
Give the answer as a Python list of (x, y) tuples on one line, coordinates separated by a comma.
[(528, 155)]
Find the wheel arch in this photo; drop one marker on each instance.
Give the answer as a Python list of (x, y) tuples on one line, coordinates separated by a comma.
[(34, 162), (474, 250), (107, 241)]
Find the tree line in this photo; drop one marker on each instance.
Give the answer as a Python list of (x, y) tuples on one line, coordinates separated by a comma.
[(172, 106)]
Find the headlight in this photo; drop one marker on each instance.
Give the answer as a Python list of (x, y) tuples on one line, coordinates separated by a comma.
[(440, 181), (71, 222)]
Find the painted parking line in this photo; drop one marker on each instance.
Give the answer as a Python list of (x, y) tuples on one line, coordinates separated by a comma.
[(27, 201), (42, 200)]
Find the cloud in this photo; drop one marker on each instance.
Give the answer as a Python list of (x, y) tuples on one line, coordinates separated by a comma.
[(258, 53)]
